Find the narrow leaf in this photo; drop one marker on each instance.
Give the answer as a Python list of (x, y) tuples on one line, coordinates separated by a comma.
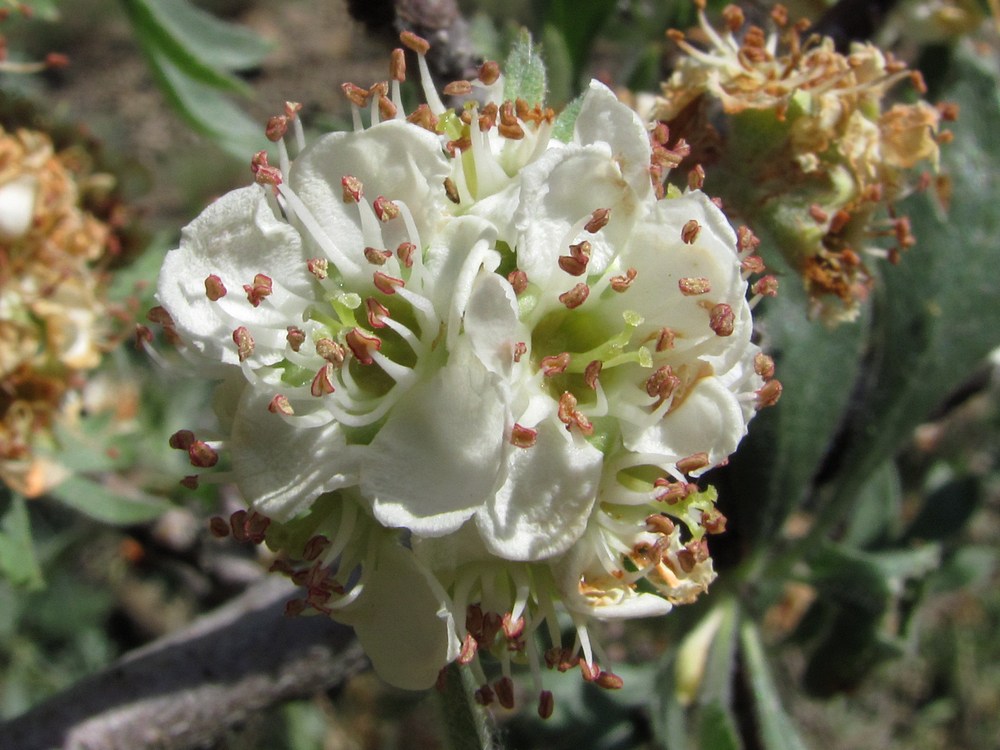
[(524, 72), (776, 729), (104, 504), (17, 551)]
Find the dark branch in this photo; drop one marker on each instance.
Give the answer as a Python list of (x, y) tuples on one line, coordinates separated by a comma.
[(187, 689)]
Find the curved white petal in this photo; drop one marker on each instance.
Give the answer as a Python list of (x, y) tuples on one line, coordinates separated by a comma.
[(402, 619), (543, 506), (280, 467), (491, 323), (437, 458), (235, 238)]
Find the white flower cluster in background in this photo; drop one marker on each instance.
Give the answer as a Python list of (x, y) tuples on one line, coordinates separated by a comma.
[(469, 374)]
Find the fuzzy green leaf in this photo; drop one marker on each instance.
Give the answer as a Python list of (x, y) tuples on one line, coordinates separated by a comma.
[(104, 504), (524, 72)]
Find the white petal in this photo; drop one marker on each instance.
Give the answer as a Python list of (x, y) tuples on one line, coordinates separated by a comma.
[(17, 206), (393, 159), (543, 506), (282, 468), (604, 118), (491, 322), (437, 458), (235, 238), (402, 620)]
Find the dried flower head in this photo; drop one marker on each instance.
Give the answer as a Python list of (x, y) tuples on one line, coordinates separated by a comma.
[(811, 153)]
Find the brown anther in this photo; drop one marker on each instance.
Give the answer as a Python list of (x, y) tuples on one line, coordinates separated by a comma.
[(554, 364), (692, 286), (589, 672), (280, 405), (686, 559), (660, 134), (458, 146), (416, 43), (689, 232), (484, 695), (575, 296), (513, 132), (489, 72), (948, 111), (258, 290), (592, 373), (405, 253), (244, 342), (553, 656), (504, 688), (598, 220), (354, 191), (694, 462), (355, 94), (202, 455), (181, 440), (518, 280), (488, 117), (733, 17), (214, 288), (665, 339), (238, 525), (523, 437), (673, 492), (386, 109), (276, 128), (397, 65), (362, 345), (512, 629), (218, 527), (818, 214), (662, 383), (385, 209), (56, 60), (143, 336), (839, 221), (609, 681), (658, 523), (917, 79), (520, 349), (746, 240), (474, 620), (769, 394), (295, 607), (713, 521), (752, 264), (546, 704), (292, 110), (766, 286), (457, 88), (572, 417), (696, 177), (315, 547), (295, 337), (575, 264), (621, 283), (904, 234), (322, 382), (377, 312), (722, 320), (491, 626), (451, 191), (779, 14), (331, 351), (469, 649), (318, 267), (763, 365), (424, 118), (675, 35), (377, 257), (387, 284)]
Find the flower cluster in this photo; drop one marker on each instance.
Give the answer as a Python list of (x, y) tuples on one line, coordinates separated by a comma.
[(470, 373), (54, 317), (809, 151)]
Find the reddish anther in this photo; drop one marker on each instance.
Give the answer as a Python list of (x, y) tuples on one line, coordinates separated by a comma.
[(546, 704), (763, 365), (377, 257), (592, 373), (202, 455), (722, 320), (214, 288), (575, 296), (621, 283), (280, 405), (181, 440), (693, 462), (405, 253), (598, 220), (469, 648), (572, 417), (696, 177), (244, 342), (322, 382), (362, 345), (331, 351), (259, 289), (554, 364), (766, 286), (665, 339), (295, 337), (218, 527), (769, 394), (504, 688), (355, 94), (397, 65), (658, 523), (609, 681), (489, 72), (377, 312), (692, 286), (353, 190), (662, 383), (387, 284), (523, 437), (416, 43), (385, 209), (690, 231), (318, 267), (458, 88), (276, 128), (518, 280)]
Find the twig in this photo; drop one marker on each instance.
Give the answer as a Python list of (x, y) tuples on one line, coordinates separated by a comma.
[(187, 689)]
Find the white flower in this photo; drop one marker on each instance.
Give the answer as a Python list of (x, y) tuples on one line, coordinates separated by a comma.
[(499, 345)]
